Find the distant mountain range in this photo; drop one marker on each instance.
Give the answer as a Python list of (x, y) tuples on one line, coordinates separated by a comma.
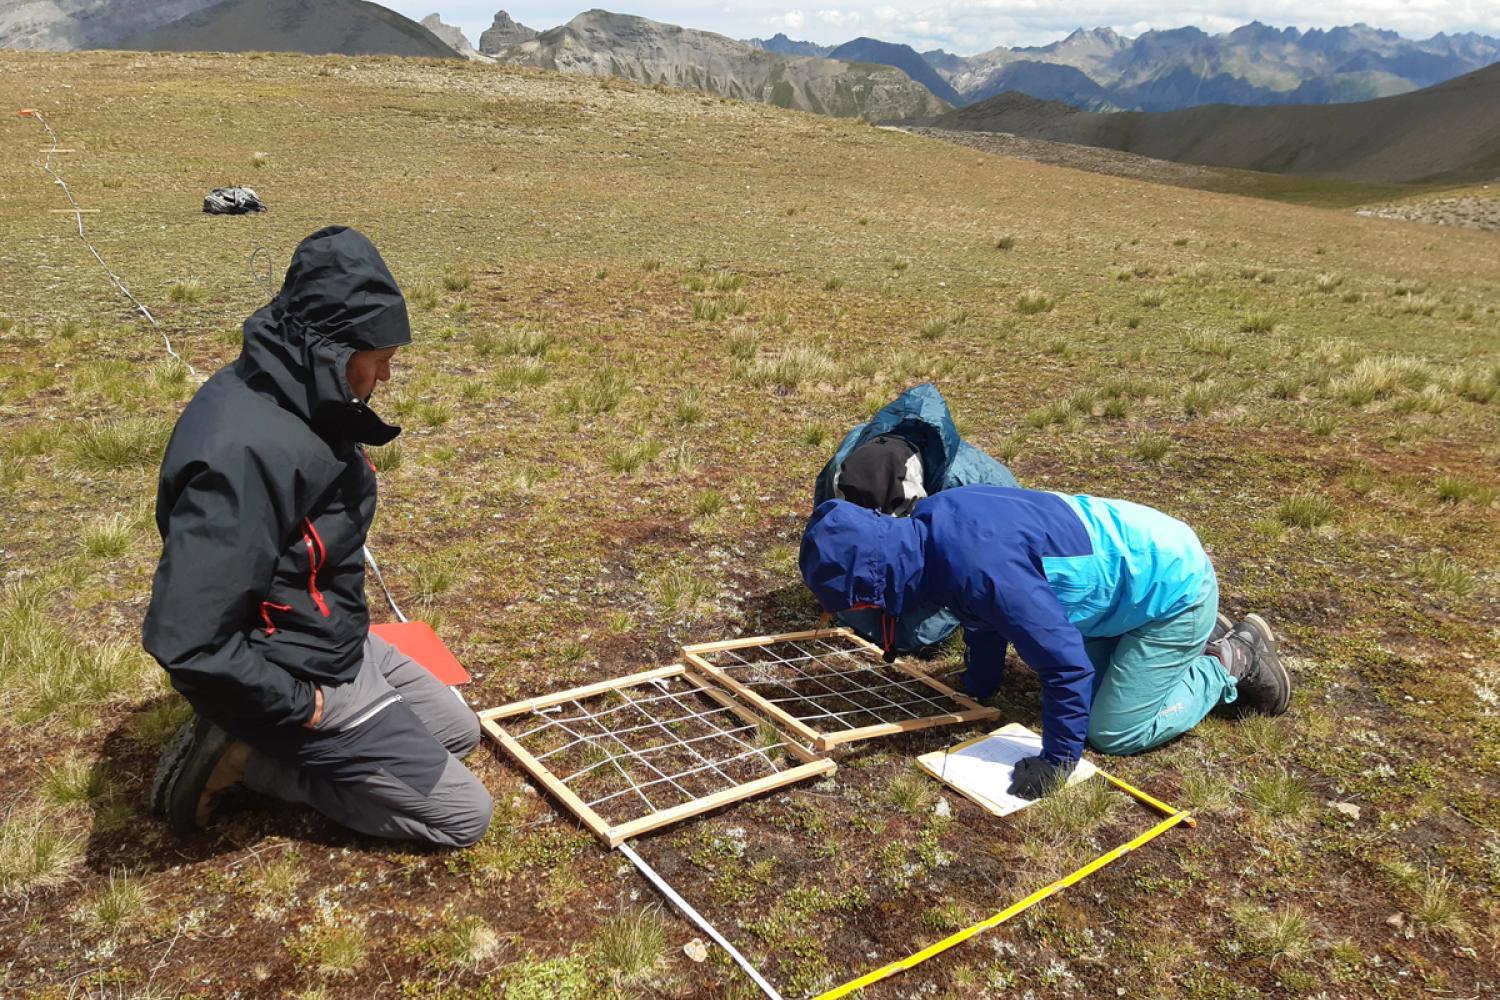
[(1449, 133), (347, 27), (599, 43), (1096, 69), (1101, 70)]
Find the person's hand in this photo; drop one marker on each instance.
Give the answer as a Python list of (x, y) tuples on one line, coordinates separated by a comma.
[(1035, 777), (317, 715)]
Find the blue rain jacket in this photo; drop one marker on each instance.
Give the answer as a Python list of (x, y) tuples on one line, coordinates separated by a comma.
[(1040, 570), (920, 416)]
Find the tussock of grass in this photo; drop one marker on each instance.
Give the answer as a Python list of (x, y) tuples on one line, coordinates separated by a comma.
[(1379, 378), (628, 459), (526, 343), (708, 503), (910, 791), (1305, 510), (1327, 283), (330, 949), (457, 279), (434, 576), (74, 781), (632, 946), (121, 443), (1073, 812), (1279, 796), (1283, 934), (48, 672), (521, 373), (1439, 571), (387, 457), (1440, 908), (933, 329), (681, 592), (1261, 322), (462, 943), (1058, 412), (39, 848), (726, 281), (1006, 242), (689, 408), (1033, 302), (1151, 448), (1210, 342), (1205, 792), (190, 290), (601, 394), (790, 369), (107, 537), (154, 725), (424, 297), (120, 904)]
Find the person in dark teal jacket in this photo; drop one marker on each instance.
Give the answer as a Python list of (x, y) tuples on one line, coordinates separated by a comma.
[(908, 450), (1113, 604)]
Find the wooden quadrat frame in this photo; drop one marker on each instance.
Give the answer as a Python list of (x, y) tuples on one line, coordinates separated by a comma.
[(822, 705), (675, 698)]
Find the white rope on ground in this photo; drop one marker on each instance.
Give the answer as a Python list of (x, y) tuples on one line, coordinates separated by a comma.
[(78, 218), (697, 918), (370, 558)]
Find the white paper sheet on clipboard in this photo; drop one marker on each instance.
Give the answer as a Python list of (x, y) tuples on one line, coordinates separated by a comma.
[(981, 769)]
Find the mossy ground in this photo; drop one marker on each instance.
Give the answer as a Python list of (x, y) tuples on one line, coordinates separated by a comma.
[(643, 319)]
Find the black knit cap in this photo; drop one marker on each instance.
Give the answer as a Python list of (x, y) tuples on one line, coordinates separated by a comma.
[(875, 475)]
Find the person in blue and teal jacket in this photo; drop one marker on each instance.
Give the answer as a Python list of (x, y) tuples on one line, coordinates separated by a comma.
[(1113, 604), (908, 450)]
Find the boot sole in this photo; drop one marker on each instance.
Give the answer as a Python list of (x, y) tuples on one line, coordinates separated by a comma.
[(169, 765), (1264, 628)]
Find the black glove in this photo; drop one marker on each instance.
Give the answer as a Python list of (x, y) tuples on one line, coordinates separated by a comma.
[(1035, 777)]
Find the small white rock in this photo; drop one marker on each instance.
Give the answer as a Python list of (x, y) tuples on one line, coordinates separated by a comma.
[(943, 808), (1346, 808), (696, 950)]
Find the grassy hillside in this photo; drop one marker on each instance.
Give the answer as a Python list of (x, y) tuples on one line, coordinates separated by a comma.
[(643, 320)]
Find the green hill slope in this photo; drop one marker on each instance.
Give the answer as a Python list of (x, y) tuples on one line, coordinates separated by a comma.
[(1449, 133)]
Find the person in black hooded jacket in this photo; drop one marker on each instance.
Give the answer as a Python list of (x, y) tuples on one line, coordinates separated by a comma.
[(257, 607)]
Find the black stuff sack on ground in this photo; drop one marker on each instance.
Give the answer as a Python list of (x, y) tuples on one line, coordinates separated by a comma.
[(232, 201)]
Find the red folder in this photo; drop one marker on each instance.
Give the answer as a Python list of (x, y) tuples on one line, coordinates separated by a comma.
[(418, 641)]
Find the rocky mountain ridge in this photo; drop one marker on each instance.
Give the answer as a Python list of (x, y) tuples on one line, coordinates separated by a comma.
[(1255, 64), (601, 43)]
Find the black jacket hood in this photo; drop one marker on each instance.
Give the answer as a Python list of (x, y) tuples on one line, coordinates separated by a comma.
[(338, 297)]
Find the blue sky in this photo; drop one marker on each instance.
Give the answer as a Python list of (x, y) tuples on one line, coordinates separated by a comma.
[(970, 26)]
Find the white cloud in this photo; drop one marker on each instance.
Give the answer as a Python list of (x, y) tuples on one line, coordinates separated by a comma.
[(792, 19), (838, 18)]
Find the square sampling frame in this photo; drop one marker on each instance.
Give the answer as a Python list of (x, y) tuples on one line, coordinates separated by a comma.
[(632, 754), (830, 686)]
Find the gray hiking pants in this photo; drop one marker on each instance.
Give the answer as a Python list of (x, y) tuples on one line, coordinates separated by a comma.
[(385, 759)]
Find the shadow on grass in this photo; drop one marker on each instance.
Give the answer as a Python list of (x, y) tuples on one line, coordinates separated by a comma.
[(125, 835)]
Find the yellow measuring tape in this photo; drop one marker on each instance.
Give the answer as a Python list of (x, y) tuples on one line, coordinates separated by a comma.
[(1174, 817)]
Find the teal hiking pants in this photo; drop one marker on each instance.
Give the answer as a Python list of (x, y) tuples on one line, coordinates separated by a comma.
[(1154, 683)]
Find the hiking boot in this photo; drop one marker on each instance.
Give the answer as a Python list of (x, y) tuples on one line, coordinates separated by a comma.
[(1249, 654), (1222, 625), (199, 764)]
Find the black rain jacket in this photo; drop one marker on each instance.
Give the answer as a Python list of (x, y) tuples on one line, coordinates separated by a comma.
[(266, 496)]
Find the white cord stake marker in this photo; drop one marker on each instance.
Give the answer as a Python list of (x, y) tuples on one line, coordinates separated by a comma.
[(697, 918)]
